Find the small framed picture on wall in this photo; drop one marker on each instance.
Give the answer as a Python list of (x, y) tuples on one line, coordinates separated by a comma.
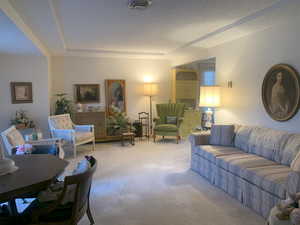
[(21, 92), (87, 93)]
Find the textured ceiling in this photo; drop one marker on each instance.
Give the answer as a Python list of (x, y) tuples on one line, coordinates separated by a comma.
[(108, 27)]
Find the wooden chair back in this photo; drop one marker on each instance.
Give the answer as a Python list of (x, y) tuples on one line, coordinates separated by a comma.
[(83, 183)]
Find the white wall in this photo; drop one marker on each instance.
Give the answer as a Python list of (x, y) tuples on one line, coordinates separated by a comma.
[(245, 62), (71, 70), (24, 68)]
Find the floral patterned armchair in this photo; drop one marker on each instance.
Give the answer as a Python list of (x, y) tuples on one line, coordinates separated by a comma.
[(61, 126), (11, 138)]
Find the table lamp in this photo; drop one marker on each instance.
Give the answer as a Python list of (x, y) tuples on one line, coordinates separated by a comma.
[(150, 89), (210, 97)]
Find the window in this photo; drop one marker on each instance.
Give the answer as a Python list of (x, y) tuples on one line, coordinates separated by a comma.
[(209, 78)]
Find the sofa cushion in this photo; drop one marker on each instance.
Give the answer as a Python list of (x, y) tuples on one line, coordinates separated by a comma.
[(83, 136), (269, 178), (242, 135), (210, 152), (238, 162), (290, 150), (267, 142), (222, 135), (166, 127)]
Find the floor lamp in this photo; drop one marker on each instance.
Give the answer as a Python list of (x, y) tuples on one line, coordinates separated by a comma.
[(150, 89), (210, 97)]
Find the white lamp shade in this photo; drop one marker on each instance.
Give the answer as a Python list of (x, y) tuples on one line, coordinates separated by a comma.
[(150, 89), (210, 96)]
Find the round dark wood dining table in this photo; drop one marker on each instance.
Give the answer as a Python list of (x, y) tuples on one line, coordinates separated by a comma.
[(35, 173)]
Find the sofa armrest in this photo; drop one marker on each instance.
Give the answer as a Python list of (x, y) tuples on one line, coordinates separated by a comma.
[(199, 139), (293, 183)]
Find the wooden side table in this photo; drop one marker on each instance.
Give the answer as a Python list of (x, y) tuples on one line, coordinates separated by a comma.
[(127, 136)]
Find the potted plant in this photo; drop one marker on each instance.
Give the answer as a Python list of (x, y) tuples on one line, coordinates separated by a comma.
[(117, 123), (63, 105), (21, 120)]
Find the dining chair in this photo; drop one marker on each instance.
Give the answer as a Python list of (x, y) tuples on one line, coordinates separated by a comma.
[(11, 138), (55, 213), (61, 126)]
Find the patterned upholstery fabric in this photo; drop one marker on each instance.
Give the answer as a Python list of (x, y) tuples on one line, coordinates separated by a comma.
[(293, 182), (166, 127), (256, 172), (267, 142), (290, 150), (210, 152), (222, 135), (15, 138), (238, 162), (242, 136), (62, 122), (82, 136), (257, 199), (269, 178), (199, 139)]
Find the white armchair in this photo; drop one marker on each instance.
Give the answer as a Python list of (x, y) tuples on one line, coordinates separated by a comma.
[(11, 138), (61, 126)]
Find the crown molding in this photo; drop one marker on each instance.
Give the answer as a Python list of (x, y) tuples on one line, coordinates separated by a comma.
[(11, 12), (235, 24), (73, 51), (102, 52)]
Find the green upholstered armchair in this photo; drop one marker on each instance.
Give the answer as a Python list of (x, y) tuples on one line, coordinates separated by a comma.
[(169, 119)]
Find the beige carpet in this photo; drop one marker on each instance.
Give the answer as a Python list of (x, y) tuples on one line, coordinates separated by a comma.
[(151, 184)]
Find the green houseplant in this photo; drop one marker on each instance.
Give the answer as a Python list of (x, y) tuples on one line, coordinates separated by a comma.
[(21, 120), (117, 122), (63, 105)]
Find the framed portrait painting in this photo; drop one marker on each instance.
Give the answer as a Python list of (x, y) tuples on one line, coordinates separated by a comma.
[(21, 92), (87, 93), (281, 92), (115, 95)]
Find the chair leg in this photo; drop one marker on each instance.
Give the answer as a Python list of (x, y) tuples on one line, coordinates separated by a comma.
[(94, 145), (89, 214), (154, 138), (178, 138)]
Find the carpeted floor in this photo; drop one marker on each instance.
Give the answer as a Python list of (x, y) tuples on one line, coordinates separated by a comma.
[(151, 184)]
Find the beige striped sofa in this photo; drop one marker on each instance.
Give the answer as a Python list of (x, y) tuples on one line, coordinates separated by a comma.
[(255, 169)]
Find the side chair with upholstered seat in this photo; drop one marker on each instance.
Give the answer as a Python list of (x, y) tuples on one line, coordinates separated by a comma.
[(61, 126), (169, 119), (58, 213)]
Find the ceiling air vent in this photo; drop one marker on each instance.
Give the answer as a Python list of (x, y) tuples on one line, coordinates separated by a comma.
[(139, 4)]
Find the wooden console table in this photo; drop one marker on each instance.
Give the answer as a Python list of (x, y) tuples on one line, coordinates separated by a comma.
[(98, 119)]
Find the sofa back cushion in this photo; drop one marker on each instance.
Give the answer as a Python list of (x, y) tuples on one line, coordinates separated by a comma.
[(268, 143), (222, 135), (289, 150), (242, 135)]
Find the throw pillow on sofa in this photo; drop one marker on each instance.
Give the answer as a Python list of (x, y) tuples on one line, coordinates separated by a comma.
[(222, 135)]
